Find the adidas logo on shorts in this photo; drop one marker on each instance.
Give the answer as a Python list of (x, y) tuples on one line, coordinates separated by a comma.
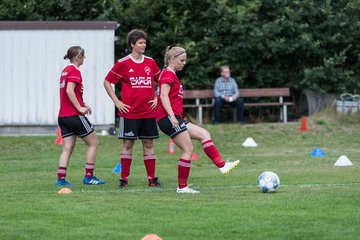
[(129, 134)]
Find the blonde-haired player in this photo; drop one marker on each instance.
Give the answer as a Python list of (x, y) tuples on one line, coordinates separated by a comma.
[(169, 117)]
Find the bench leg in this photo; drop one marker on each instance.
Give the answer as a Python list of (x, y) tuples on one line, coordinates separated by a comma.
[(285, 114), (200, 115)]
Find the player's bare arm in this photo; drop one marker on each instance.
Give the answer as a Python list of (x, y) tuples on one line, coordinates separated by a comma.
[(118, 103), (164, 96)]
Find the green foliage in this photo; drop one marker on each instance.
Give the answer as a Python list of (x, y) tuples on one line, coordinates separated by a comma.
[(330, 76), (50, 10), (295, 43)]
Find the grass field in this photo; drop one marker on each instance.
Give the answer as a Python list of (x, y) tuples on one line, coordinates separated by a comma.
[(316, 200)]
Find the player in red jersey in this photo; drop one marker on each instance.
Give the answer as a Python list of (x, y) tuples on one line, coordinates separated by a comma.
[(138, 74), (169, 117), (72, 120)]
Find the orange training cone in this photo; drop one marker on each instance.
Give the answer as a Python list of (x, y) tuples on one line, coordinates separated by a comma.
[(303, 126), (59, 137), (171, 146), (194, 156), (151, 236), (65, 191)]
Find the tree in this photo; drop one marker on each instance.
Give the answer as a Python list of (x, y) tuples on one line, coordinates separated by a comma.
[(295, 43)]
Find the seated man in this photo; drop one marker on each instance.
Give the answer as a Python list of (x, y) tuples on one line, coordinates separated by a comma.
[(226, 92)]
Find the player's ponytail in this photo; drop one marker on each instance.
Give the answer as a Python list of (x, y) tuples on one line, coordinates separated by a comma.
[(167, 56)]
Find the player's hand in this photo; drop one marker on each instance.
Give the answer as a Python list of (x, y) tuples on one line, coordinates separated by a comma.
[(123, 108), (174, 121), (229, 99), (88, 108), (153, 103), (84, 110)]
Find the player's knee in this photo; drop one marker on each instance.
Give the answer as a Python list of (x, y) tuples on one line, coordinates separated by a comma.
[(128, 145), (92, 142), (205, 135), (147, 143), (69, 148), (188, 150), (96, 143)]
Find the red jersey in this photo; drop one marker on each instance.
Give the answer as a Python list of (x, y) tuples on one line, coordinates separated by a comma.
[(168, 76), (70, 74), (137, 85)]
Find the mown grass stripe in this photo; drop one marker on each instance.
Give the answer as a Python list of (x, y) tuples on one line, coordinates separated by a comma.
[(130, 190)]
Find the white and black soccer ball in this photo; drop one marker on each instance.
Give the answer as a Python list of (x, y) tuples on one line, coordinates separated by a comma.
[(268, 182)]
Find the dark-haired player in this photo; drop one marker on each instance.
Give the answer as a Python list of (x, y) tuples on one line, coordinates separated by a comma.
[(137, 74), (72, 119)]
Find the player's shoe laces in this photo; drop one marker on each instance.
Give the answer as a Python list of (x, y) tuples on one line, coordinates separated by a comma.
[(228, 167), (123, 184), (93, 181), (154, 182), (186, 190), (62, 182)]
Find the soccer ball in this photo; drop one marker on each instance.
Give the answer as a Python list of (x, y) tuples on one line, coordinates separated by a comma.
[(268, 182)]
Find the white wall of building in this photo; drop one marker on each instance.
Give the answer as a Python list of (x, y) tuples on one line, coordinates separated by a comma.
[(30, 65)]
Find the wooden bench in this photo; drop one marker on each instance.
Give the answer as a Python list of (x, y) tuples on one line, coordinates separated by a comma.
[(205, 99)]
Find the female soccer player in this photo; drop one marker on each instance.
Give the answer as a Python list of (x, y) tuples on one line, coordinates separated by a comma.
[(137, 74), (169, 117), (72, 119)]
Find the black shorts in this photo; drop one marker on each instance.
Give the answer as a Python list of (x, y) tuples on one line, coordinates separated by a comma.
[(138, 128), (75, 125), (166, 127)]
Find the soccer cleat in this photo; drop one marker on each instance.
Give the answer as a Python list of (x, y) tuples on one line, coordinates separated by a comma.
[(123, 184), (62, 182), (186, 190), (228, 167), (154, 182), (93, 181)]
